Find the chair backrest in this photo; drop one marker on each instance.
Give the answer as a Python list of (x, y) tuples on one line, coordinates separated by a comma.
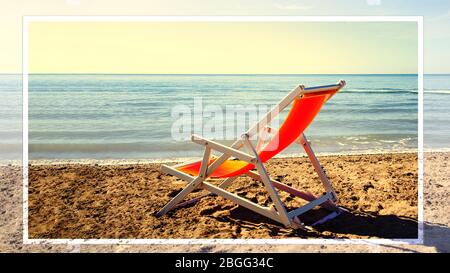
[(303, 111), (304, 108)]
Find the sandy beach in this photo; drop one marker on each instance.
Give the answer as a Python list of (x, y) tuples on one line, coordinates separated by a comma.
[(119, 201)]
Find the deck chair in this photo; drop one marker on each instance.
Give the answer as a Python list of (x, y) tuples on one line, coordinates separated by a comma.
[(234, 161)]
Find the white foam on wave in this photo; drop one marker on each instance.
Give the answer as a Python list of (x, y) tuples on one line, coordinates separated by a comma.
[(437, 91)]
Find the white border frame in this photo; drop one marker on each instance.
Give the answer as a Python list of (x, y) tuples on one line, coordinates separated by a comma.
[(289, 241)]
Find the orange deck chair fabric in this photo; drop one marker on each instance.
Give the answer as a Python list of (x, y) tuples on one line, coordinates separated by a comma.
[(302, 113)]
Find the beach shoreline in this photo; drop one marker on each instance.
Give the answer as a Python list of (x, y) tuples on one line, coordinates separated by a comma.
[(176, 160), (125, 161)]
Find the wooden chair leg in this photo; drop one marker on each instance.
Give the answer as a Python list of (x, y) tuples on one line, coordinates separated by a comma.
[(317, 167), (190, 187), (279, 206)]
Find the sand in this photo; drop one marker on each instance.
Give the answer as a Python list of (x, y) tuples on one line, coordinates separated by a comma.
[(120, 201), (436, 222)]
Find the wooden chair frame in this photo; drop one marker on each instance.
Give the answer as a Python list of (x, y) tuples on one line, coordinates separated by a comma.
[(278, 211)]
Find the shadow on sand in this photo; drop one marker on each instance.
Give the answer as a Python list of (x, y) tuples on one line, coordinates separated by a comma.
[(434, 235), (372, 225), (355, 223), (344, 226)]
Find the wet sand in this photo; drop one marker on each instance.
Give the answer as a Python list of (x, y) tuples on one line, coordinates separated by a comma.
[(120, 201)]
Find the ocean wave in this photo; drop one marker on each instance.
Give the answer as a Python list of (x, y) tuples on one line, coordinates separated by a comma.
[(106, 147), (437, 91)]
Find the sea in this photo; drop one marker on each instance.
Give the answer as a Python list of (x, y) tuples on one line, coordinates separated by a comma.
[(109, 116)]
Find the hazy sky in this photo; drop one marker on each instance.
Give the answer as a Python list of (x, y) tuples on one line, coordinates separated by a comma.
[(436, 18), (223, 47)]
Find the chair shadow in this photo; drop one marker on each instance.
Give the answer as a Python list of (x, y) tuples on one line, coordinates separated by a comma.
[(345, 225), (368, 224), (349, 223)]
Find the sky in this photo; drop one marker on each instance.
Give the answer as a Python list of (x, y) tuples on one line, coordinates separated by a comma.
[(436, 18), (223, 47)]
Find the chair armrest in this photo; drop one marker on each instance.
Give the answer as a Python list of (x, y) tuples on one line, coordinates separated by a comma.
[(222, 148)]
